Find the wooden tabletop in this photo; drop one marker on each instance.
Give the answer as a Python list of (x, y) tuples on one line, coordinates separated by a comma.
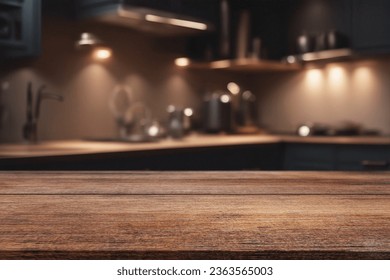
[(194, 215)]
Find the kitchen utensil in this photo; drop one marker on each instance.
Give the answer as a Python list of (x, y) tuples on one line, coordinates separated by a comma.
[(243, 33), (218, 112), (154, 130), (225, 49), (305, 43), (187, 119), (119, 103), (347, 129), (175, 122), (321, 42), (256, 48), (137, 120), (247, 113), (313, 129), (336, 40)]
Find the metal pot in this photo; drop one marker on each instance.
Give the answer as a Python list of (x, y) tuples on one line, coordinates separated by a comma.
[(218, 112)]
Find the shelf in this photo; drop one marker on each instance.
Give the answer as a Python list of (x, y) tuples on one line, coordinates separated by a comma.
[(327, 55), (255, 65), (290, 63)]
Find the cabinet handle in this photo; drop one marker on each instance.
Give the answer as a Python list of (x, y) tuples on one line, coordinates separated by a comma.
[(375, 164)]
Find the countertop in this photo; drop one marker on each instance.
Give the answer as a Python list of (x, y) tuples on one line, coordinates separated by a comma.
[(78, 147), (194, 215)]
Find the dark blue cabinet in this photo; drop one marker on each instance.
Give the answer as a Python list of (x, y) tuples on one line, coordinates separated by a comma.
[(195, 9), (315, 18), (371, 25), (341, 157), (20, 24), (366, 23), (245, 157)]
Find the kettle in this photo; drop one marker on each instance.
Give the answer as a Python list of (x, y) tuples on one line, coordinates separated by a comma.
[(218, 112)]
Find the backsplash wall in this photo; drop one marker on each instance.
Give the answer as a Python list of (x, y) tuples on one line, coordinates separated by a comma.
[(356, 92), (144, 63)]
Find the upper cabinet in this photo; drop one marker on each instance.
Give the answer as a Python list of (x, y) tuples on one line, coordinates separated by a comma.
[(20, 23), (163, 17), (371, 25), (363, 24), (238, 32), (315, 21)]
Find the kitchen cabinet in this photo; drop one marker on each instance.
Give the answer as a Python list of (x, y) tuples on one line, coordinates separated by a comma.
[(316, 17), (254, 39), (336, 157), (270, 24), (365, 23), (371, 25), (163, 17), (309, 157), (195, 8), (363, 158), (242, 157), (20, 22)]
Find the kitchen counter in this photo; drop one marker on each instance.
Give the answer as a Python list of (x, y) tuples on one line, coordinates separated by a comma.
[(69, 148), (194, 215)]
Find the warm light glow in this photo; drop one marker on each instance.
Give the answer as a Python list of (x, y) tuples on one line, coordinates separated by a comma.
[(171, 109), (153, 130), (220, 64), (225, 98), (337, 79), (336, 73), (94, 82), (233, 88), (176, 22), (86, 41), (102, 53), (188, 112), (248, 95), (182, 61), (304, 131), (314, 80), (328, 54), (364, 80), (291, 59)]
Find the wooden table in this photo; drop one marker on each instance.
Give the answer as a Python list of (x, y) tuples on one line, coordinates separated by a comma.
[(194, 215)]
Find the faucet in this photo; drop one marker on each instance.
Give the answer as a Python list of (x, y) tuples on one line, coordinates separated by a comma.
[(30, 129)]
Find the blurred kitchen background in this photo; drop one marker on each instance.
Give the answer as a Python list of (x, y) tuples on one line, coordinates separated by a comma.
[(353, 89), (177, 66)]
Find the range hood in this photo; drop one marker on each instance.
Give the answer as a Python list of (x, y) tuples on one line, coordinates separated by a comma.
[(145, 16)]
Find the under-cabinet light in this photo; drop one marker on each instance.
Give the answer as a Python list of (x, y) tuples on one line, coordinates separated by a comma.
[(182, 61), (176, 22), (102, 53), (329, 54)]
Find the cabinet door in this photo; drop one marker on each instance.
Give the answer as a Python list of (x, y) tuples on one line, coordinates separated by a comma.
[(309, 157), (20, 23), (371, 25), (363, 157), (316, 17), (269, 22)]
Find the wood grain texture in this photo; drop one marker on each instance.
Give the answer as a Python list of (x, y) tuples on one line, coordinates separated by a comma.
[(193, 215)]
